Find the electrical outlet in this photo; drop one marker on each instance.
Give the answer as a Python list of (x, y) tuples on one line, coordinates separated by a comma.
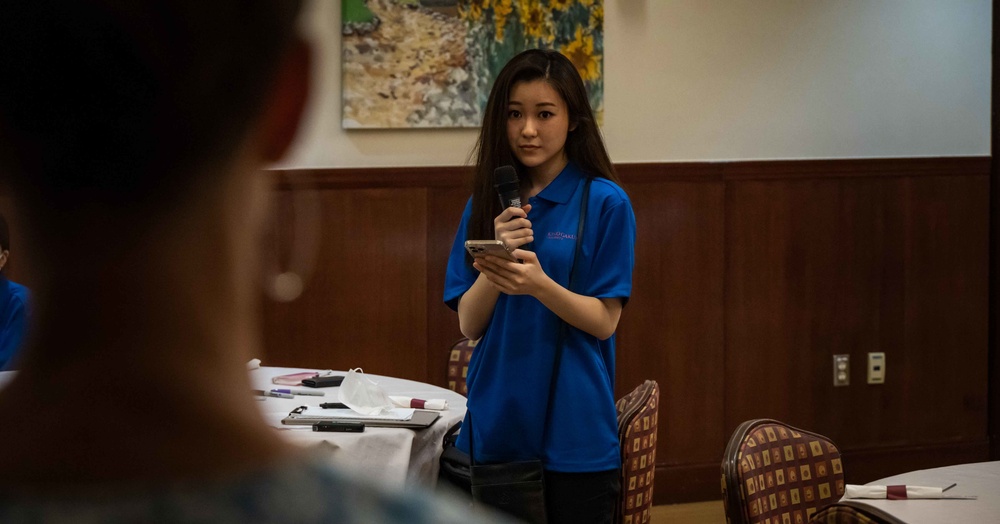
[(841, 370), (876, 368)]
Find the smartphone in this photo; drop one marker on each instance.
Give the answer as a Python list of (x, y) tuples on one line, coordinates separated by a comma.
[(329, 381), (347, 427), (481, 248)]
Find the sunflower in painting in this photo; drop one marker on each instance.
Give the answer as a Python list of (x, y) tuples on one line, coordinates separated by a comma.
[(501, 8), (499, 29), (581, 52), (597, 17), (473, 12), (535, 20)]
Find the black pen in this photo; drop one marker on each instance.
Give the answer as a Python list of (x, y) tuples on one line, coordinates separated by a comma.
[(333, 405)]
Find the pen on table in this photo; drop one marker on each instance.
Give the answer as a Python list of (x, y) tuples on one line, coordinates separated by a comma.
[(949, 487), (262, 393), (299, 392), (273, 393)]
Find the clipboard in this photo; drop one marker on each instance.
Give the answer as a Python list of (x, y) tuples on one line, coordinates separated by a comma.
[(421, 418)]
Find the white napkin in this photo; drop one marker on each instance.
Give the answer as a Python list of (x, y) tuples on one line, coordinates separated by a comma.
[(438, 404), (893, 492)]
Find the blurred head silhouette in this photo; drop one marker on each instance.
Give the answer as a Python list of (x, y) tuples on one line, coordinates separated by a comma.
[(131, 139)]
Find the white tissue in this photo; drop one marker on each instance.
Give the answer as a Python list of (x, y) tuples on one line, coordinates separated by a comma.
[(363, 395)]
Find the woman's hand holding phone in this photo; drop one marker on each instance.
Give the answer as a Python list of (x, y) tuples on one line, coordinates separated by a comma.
[(523, 275), (514, 278)]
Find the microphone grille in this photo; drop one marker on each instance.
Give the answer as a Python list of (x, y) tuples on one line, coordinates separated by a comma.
[(504, 175)]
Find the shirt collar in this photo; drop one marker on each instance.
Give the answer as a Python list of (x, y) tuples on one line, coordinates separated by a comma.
[(561, 189)]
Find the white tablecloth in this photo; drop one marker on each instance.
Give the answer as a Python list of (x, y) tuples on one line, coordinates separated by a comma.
[(981, 479), (393, 456)]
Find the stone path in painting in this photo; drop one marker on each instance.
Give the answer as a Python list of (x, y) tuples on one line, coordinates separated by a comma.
[(410, 71)]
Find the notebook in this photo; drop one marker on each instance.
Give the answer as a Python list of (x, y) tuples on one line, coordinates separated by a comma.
[(398, 418)]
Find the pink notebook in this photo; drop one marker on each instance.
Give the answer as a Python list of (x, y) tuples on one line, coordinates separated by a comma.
[(294, 379)]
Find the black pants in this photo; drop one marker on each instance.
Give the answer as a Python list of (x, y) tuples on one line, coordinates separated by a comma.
[(581, 498)]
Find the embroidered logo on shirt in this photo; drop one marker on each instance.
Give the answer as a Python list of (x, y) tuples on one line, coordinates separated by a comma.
[(559, 235)]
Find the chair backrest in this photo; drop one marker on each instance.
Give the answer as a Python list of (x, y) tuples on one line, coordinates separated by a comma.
[(772, 472), (637, 423), (459, 355), (847, 513)]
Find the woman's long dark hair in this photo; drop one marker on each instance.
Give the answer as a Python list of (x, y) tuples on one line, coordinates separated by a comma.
[(584, 145)]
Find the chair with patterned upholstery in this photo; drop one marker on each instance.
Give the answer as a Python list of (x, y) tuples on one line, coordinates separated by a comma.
[(459, 355), (637, 418), (774, 473), (846, 512)]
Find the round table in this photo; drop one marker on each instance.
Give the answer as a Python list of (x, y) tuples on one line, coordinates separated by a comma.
[(392, 456), (980, 479)]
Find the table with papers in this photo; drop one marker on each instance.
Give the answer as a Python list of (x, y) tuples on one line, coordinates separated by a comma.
[(394, 456)]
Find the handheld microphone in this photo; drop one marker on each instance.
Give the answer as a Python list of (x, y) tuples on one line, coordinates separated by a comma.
[(508, 187)]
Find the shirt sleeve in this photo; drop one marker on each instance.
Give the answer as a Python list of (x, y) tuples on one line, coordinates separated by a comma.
[(460, 274), (12, 328), (614, 250)]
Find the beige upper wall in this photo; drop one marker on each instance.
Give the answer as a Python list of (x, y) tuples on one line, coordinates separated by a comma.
[(706, 80)]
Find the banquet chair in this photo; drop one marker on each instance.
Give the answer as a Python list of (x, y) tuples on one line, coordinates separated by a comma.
[(847, 513), (772, 472), (637, 422), (459, 355)]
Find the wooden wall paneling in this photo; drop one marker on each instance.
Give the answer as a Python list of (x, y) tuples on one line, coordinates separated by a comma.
[(365, 306), (865, 465), (444, 211), (749, 276), (852, 265), (672, 328), (941, 365), (812, 272), (827, 266)]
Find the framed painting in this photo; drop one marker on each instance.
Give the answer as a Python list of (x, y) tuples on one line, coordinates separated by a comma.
[(431, 63)]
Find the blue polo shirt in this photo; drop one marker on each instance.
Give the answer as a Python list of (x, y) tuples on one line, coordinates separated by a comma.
[(511, 368), (13, 319)]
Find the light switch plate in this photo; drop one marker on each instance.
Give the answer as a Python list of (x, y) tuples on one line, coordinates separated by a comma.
[(876, 368)]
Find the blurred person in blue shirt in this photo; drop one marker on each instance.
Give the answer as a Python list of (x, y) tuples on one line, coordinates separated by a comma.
[(13, 305)]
